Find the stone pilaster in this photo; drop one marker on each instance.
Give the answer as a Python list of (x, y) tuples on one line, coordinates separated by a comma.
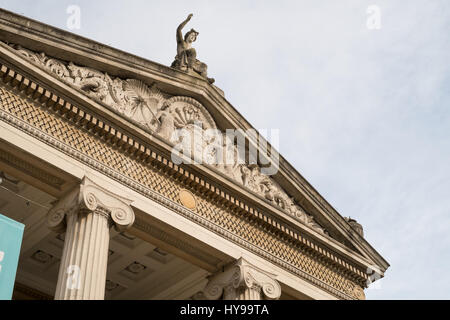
[(86, 215), (242, 281)]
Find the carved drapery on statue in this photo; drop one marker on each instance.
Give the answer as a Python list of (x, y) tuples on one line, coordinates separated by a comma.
[(160, 113)]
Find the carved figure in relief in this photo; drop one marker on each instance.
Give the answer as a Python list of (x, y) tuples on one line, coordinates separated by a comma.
[(149, 107), (166, 122), (186, 58)]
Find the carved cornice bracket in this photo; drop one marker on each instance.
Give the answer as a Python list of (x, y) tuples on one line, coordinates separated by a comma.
[(90, 197), (242, 276)]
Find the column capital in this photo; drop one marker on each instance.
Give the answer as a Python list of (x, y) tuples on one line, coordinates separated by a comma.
[(242, 274), (92, 198)]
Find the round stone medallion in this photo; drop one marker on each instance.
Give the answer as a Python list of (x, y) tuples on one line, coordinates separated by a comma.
[(187, 199)]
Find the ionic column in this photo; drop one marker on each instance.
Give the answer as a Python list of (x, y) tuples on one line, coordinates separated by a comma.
[(242, 281), (86, 215)]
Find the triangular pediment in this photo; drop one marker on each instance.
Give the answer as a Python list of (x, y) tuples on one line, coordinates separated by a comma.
[(162, 114), (151, 101)]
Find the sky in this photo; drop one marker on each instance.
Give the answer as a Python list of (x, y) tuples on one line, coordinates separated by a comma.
[(363, 112)]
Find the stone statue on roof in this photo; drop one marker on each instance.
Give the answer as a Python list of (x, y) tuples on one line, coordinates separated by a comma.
[(186, 58)]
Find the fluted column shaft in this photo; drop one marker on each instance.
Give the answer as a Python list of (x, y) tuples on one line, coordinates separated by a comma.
[(82, 273), (86, 215)]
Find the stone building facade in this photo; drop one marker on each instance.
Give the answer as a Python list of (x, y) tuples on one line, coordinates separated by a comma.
[(85, 156)]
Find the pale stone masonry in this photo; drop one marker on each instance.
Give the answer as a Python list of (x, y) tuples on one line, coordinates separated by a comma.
[(243, 281), (85, 137), (85, 215)]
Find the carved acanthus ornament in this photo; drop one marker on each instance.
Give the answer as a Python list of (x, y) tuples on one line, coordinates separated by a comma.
[(157, 112), (242, 281)]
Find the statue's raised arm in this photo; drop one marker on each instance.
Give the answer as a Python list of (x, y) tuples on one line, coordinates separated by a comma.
[(181, 26)]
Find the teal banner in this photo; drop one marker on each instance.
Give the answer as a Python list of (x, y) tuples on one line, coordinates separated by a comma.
[(11, 233)]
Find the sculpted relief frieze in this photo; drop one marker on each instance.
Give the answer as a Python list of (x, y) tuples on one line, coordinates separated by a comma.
[(162, 114)]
